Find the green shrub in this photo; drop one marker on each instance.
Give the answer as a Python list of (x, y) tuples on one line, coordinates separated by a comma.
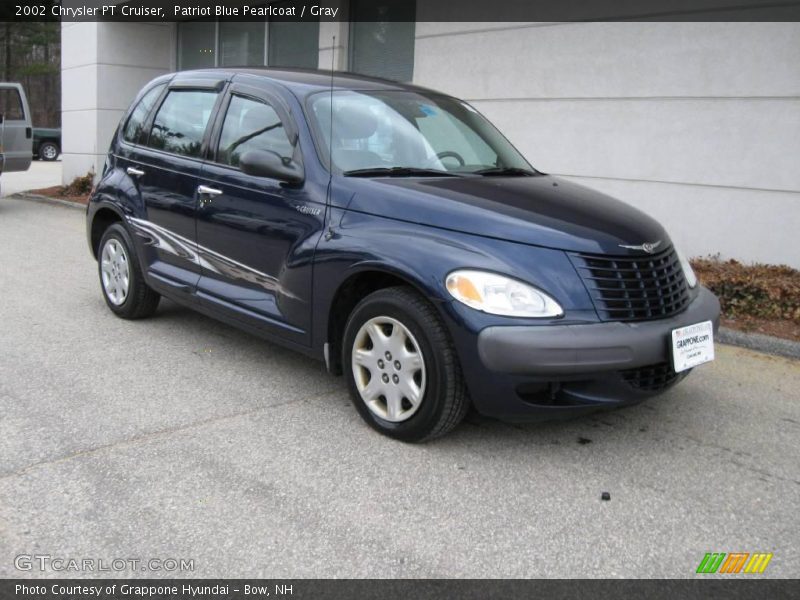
[(758, 290)]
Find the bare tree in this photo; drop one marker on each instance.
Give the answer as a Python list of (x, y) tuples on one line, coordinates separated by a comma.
[(32, 56)]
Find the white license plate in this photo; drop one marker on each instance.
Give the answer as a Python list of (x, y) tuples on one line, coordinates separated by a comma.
[(692, 345)]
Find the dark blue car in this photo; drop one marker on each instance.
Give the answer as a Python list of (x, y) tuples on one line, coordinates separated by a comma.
[(395, 233)]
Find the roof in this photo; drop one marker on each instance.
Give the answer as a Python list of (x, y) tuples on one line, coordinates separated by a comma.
[(308, 81)]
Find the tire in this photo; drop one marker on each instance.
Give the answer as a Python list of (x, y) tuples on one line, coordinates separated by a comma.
[(137, 300), (49, 151), (404, 322)]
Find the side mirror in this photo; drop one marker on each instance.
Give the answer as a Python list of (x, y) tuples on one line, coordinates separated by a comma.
[(261, 163)]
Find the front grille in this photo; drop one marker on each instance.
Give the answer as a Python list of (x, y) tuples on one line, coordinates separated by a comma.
[(651, 378), (634, 288)]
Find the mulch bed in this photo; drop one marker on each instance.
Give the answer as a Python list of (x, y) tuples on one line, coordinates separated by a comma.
[(57, 192), (780, 328)]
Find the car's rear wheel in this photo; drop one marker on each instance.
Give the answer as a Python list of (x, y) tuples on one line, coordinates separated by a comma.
[(49, 151), (125, 291), (401, 367)]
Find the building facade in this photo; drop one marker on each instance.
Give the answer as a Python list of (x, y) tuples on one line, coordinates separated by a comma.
[(697, 124)]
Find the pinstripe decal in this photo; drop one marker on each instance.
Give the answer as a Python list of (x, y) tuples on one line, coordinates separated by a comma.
[(172, 243)]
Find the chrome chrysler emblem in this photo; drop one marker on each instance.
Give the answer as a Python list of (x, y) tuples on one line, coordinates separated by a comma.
[(646, 247)]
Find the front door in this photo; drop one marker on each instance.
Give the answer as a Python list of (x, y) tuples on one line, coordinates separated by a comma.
[(165, 168), (15, 129), (257, 235)]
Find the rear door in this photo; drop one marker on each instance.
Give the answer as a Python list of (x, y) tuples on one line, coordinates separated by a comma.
[(164, 168), (16, 131), (257, 234)]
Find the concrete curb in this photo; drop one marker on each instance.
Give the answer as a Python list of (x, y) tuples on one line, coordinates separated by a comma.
[(46, 200), (759, 342)]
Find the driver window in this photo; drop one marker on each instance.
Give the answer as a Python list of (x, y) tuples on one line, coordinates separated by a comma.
[(252, 125)]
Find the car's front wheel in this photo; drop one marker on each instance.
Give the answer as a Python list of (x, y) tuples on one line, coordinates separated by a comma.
[(49, 151), (404, 376), (124, 288)]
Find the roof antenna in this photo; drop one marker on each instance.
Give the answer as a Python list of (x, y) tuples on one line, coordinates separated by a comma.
[(329, 233), (330, 140)]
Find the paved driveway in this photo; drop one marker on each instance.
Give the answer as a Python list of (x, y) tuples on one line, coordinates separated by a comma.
[(41, 174), (178, 437)]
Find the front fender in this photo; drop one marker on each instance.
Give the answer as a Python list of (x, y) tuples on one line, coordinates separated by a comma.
[(424, 256)]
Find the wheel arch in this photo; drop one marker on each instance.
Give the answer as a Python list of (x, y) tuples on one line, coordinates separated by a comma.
[(103, 217), (367, 279)]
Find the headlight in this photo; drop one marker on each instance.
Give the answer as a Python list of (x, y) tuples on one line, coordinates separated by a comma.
[(688, 272), (498, 295)]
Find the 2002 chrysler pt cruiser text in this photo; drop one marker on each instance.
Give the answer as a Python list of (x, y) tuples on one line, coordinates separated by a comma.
[(395, 233)]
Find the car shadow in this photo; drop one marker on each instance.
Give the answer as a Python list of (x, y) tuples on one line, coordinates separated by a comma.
[(610, 427)]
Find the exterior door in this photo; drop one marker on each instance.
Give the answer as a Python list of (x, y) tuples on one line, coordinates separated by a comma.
[(17, 136), (257, 235), (165, 168)]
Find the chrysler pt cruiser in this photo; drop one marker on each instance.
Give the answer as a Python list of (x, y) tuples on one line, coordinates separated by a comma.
[(394, 233)]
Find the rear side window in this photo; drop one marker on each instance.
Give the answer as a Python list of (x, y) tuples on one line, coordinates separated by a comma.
[(134, 128), (252, 125), (180, 123), (11, 105)]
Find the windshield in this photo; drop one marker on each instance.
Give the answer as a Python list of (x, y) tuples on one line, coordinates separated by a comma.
[(408, 131)]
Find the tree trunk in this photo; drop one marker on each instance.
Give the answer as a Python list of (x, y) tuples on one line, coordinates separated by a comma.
[(7, 51)]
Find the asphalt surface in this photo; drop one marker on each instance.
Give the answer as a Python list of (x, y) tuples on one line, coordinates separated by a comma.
[(41, 174), (179, 437)]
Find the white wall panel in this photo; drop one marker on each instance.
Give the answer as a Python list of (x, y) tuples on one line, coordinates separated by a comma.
[(752, 143), (755, 225), (612, 60), (79, 88), (696, 123), (103, 66)]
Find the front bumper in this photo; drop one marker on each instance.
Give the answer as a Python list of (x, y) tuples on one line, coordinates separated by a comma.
[(572, 349), (524, 373)]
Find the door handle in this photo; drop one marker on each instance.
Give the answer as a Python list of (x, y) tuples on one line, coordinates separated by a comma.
[(134, 171), (208, 191), (207, 194)]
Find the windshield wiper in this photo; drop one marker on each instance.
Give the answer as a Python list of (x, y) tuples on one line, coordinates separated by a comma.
[(398, 172), (506, 171)]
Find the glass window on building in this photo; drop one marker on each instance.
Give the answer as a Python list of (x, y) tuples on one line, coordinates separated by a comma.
[(241, 44), (382, 38), (277, 43), (293, 43), (197, 44)]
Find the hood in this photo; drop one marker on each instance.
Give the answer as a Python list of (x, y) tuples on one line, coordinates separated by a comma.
[(541, 210)]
